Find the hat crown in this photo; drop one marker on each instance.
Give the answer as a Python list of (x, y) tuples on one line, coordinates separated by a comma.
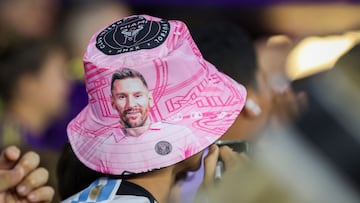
[(150, 45)]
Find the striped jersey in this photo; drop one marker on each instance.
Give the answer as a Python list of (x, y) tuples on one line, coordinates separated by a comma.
[(112, 190)]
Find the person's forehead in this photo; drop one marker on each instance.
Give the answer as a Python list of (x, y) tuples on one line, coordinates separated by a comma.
[(129, 84)]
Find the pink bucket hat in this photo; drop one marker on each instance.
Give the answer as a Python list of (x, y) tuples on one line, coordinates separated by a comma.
[(153, 99)]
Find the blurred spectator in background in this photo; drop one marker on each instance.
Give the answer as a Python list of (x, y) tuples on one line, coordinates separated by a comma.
[(34, 19), (79, 21), (34, 91), (279, 149), (231, 49), (284, 163), (37, 100), (272, 52), (332, 122)]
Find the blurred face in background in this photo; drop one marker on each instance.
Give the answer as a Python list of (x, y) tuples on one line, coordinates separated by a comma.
[(49, 89), (105, 12), (29, 18)]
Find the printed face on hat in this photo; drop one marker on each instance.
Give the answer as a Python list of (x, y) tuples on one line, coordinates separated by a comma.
[(131, 98)]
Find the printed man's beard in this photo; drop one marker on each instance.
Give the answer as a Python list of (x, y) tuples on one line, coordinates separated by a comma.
[(128, 123)]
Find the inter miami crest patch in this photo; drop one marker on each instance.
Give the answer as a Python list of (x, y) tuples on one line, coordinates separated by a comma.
[(132, 34), (163, 147)]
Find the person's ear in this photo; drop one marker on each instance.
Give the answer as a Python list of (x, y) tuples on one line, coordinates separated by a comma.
[(252, 108), (112, 99), (151, 100)]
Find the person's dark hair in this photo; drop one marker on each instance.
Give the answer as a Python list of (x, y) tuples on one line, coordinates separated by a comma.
[(127, 73), (73, 176), (230, 48), (21, 58)]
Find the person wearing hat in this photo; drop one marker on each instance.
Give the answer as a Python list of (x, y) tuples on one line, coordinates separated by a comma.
[(190, 105)]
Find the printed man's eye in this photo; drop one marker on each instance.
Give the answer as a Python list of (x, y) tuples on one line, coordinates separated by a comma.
[(121, 97), (139, 95)]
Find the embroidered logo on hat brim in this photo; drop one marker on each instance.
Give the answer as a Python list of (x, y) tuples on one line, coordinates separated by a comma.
[(163, 147), (132, 34)]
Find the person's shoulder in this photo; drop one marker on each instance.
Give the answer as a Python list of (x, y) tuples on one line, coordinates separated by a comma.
[(107, 186)]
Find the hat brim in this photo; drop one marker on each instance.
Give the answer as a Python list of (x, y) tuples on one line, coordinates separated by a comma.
[(102, 146)]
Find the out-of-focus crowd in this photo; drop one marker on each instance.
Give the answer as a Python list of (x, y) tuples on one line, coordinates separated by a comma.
[(303, 134), (42, 83)]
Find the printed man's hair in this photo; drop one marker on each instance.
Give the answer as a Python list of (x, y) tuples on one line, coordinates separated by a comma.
[(127, 73)]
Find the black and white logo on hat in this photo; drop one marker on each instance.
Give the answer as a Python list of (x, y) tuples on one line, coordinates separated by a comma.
[(163, 147), (131, 34)]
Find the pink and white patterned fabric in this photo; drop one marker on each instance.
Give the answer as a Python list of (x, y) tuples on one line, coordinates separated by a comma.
[(194, 103)]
